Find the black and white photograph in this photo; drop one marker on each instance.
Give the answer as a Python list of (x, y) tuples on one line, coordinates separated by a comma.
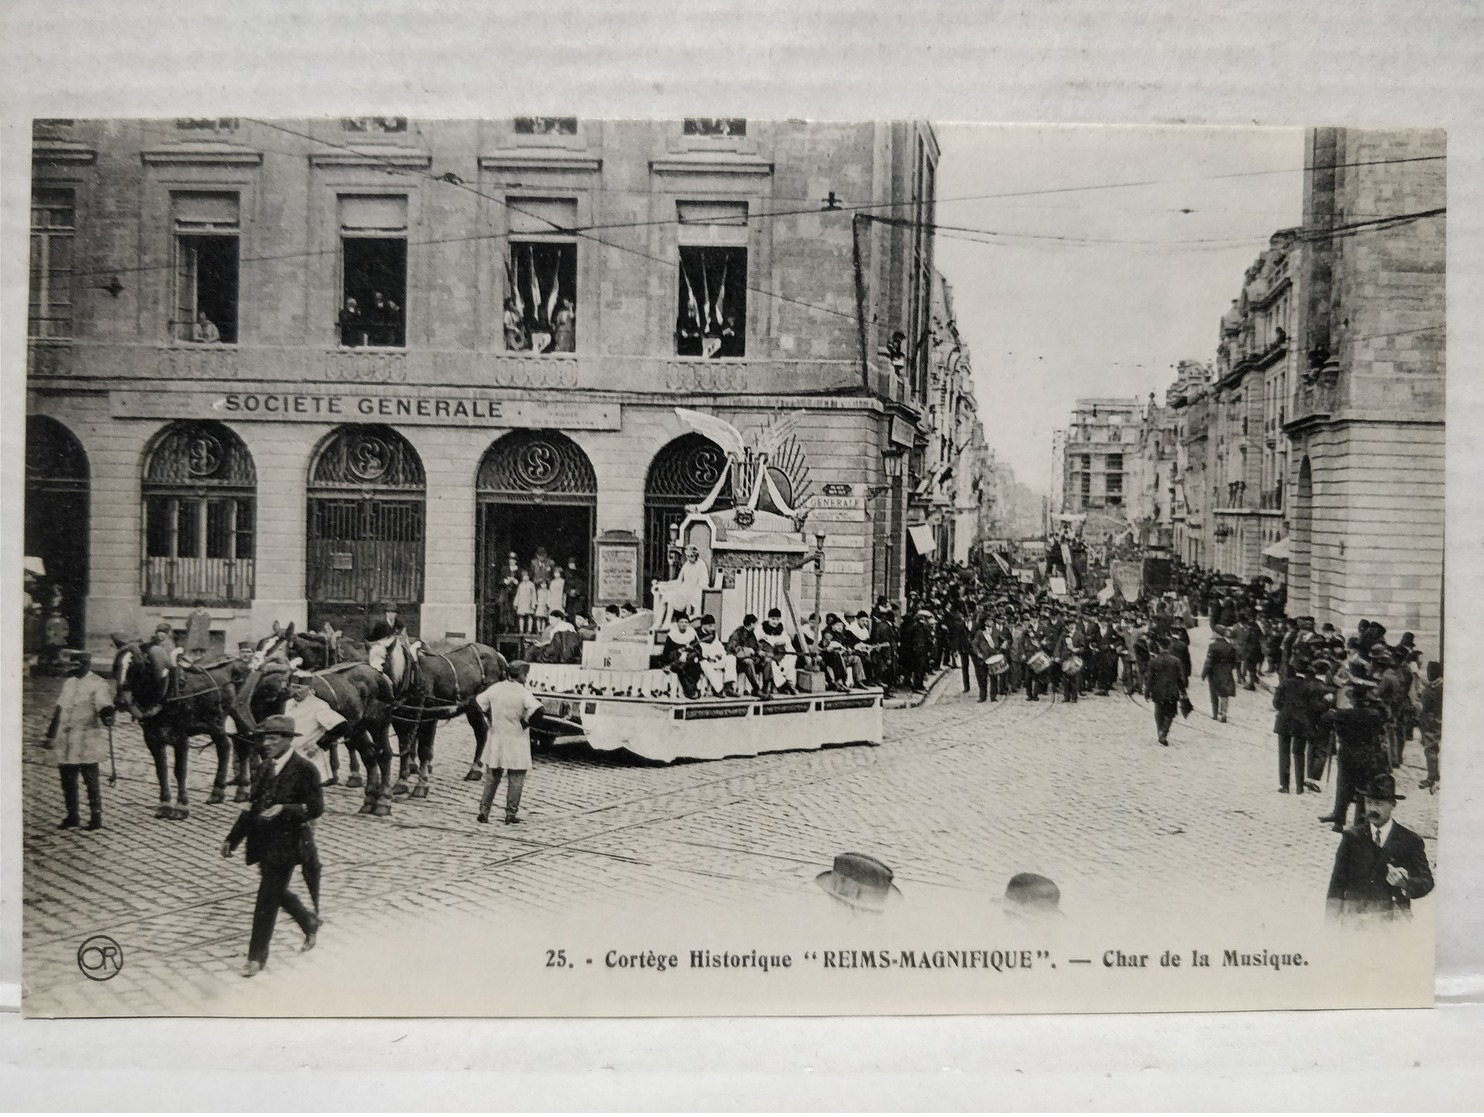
[(582, 566)]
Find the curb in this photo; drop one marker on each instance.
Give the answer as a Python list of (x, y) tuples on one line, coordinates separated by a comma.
[(927, 698)]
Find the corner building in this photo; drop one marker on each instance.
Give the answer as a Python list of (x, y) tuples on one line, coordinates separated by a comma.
[(1366, 421), (292, 369)]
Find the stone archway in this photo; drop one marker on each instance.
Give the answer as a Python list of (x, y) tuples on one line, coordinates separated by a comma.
[(367, 511), (683, 472), (57, 530)]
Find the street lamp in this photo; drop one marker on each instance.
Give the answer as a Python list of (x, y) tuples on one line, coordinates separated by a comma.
[(892, 460), (818, 570)]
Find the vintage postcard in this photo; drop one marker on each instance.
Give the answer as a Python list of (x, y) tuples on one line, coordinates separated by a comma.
[(721, 566)]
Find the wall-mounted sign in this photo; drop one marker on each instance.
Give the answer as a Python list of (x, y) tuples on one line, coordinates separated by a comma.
[(819, 502), (902, 434), (341, 560), (837, 515), (617, 555), (836, 489), (472, 408)]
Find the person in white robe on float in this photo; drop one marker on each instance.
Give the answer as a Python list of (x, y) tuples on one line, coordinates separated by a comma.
[(683, 592)]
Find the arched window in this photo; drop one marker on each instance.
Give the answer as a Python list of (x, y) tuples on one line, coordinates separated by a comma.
[(683, 472), (200, 517)]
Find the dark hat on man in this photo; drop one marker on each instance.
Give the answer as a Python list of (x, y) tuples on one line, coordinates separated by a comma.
[(1032, 894), (706, 618), (861, 881), (861, 614), (388, 606), (164, 626), (1319, 666), (1382, 787), (278, 725)]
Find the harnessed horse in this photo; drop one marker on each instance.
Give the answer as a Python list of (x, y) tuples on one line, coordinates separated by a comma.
[(170, 715), (356, 691), (433, 685)]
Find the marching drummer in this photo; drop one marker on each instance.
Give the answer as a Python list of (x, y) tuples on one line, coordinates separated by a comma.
[(1068, 655)]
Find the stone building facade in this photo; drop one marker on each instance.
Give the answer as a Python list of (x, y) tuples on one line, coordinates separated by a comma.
[(1189, 399), (1366, 416), (1098, 463), (294, 368), (1256, 363), (949, 496)]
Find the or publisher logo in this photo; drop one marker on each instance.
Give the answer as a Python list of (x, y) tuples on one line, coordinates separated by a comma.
[(100, 958)]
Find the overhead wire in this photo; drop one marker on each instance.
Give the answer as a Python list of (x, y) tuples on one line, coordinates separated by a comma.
[(967, 233)]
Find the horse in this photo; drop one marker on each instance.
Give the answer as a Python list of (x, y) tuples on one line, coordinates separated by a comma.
[(358, 692), (170, 716), (434, 685)]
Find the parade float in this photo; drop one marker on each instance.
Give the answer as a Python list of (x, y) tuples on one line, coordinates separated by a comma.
[(749, 548)]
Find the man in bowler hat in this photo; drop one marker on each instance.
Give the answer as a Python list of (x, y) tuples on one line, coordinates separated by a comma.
[(285, 797), (1166, 689), (1381, 866)]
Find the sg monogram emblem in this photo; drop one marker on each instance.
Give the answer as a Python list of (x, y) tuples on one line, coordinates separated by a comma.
[(369, 458), (203, 455), (538, 464)]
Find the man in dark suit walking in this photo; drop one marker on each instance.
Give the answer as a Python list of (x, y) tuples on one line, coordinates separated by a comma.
[(285, 796), (1166, 688), (1381, 866), (1220, 672)]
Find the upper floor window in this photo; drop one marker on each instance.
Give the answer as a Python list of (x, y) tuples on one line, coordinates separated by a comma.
[(540, 311), (546, 126), (1115, 463), (711, 319), (373, 265), (53, 226), (206, 228), (714, 126), (385, 124)]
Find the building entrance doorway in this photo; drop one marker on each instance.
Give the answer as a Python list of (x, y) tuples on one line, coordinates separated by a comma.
[(536, 491), (366, 518), (57, 528)]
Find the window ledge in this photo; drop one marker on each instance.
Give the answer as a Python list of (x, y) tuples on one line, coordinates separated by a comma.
[(60, 151), (204, 154), (373, 157), (556, 159), (718, 163)]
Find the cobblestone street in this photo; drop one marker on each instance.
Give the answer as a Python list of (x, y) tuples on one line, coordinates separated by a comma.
[(959, 797)]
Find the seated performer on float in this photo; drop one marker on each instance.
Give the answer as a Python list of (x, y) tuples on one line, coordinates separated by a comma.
[(718, 666), (682, 655), (742, 646), (682, 594), (780, 653), (845, 669), (857, 637)]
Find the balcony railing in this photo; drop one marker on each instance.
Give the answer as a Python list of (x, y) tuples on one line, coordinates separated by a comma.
[(329, 365), (181, 581)]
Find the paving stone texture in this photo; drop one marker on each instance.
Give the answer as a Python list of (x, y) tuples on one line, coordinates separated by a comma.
[(958, 797)]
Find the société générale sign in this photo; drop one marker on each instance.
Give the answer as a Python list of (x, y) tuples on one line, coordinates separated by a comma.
[(464, 409)]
